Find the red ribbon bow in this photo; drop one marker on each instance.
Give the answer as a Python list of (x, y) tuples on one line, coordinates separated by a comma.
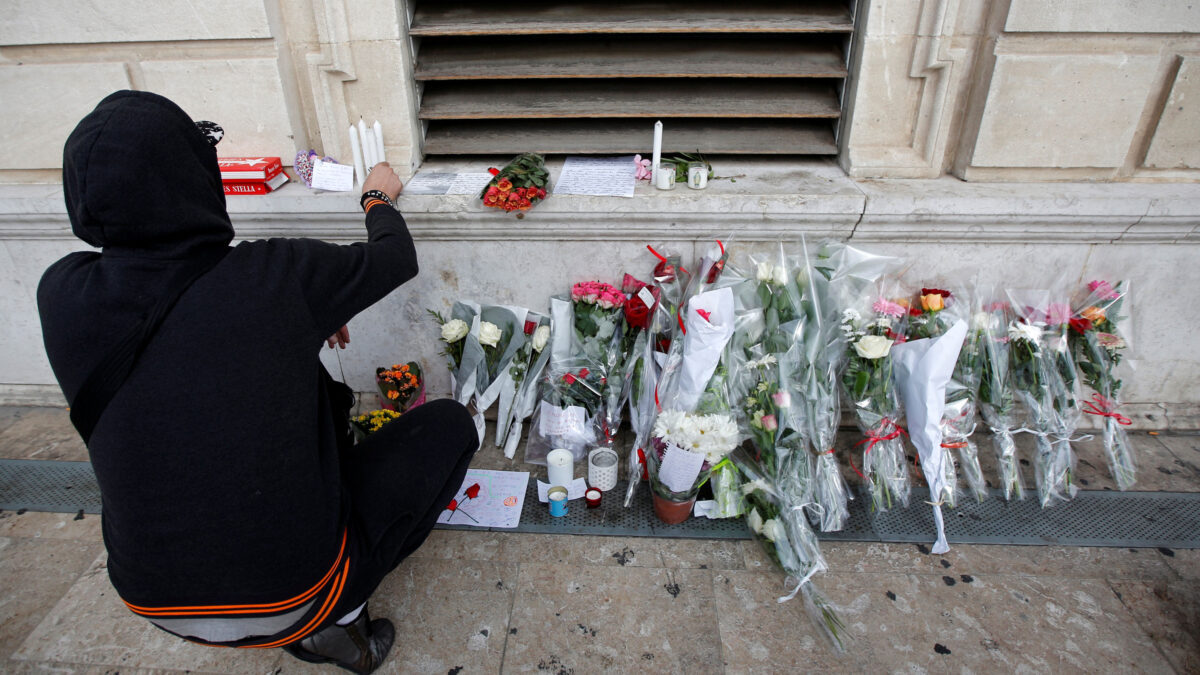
[(1105, 407), (876, 435)]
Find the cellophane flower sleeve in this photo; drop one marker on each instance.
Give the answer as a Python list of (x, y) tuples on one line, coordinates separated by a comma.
[(783, 531), (654, 345), (1099, 340), (502, 337), (870, 326), (566, 413), (526, 372), (1044, 378), (997, 402), (820, 356)]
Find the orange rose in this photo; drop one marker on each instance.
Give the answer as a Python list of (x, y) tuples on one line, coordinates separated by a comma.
[(933, 302), (903, 302), (493, 190), (490, 200), (1093, 314), (504, 185)]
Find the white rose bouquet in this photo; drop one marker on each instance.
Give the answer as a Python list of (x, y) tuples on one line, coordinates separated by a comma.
[(464, 355), (867, 383)]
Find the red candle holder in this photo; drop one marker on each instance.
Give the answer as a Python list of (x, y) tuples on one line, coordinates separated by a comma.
[(592, 497)]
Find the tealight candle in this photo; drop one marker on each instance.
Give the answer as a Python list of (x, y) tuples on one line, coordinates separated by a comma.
[(592, 497), (557, 496), (560, 467), (602, 469)]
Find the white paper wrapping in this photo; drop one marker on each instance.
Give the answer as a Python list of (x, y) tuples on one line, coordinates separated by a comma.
[(702, 347), (922, 369)]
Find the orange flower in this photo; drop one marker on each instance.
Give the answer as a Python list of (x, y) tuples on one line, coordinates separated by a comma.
[(493, 190), (393, 394), (903, 302), (933, 302), (513, 197), (490, 199), (504, 185), (1093, 314)]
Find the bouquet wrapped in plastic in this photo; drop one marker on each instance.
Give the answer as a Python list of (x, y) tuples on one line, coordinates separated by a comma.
[(463, 352), (940, 309), (518, 400), (867, 381), (519, 186), (651, 350), (694, 429), (1098, 342), (368, 423), (819, 356), (501, 336), (1044, 378), (566, 416), (997, 403), (401, 387), (785, 536)]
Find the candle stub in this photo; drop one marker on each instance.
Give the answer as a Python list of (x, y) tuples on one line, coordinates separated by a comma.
[(558, 501), (664, 179), (593, 497)]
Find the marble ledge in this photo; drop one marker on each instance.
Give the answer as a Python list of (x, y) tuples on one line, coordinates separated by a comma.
[(770, 199)]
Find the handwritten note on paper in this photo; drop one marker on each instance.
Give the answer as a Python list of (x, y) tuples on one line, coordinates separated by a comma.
[(429, 183), (497, 501), (575, 490), (599, 176), (333, 177), (468, 183), (680, 468)]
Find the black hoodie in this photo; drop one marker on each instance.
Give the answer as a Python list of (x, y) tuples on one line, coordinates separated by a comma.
[(217, 460)]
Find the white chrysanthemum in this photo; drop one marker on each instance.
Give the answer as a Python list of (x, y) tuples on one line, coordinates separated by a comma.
[(851, 315), (884, 322), (667, 426), (1029, 332)]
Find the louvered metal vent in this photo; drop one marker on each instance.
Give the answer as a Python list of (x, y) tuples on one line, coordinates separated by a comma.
[(591, 77)]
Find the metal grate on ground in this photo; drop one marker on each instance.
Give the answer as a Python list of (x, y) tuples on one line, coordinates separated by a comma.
[(1093, 518)]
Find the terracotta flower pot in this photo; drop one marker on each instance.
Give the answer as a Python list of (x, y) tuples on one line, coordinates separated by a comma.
[(672, 512)]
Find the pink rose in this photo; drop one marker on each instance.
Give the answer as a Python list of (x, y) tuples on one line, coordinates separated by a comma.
[(782, 399), (769, 423)]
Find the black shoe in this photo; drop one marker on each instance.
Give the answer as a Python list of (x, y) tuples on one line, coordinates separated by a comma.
[(359, 647)]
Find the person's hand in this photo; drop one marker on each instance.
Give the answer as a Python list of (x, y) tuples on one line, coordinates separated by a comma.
[(383, 178), (340, 338)]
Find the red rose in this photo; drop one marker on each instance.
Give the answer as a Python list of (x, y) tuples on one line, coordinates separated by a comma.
[(1081, 325), (913, 311), (715, 272), (530, 326), (569, 378), (927, 291), (583, 372), (452, 505), (637, 314), (541, 193), (473, 491)]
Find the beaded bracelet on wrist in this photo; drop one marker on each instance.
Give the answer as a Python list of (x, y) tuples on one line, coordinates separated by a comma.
[(374, 197)]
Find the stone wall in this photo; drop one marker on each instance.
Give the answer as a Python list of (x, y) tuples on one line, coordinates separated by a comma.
[(1056, 94)]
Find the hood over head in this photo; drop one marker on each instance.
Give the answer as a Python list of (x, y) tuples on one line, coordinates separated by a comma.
[(141, 179)]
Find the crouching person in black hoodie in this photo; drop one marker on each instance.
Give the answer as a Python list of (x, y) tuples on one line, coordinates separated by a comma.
[(237, 512)]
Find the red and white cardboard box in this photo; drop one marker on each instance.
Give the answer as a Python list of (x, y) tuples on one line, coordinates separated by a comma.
[(253, 187), (246, 169)]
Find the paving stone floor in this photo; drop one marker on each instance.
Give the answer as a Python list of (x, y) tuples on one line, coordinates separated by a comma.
[(491, 602)]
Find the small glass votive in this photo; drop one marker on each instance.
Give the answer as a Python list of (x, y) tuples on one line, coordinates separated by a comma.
[(697, 175), (664, 178), (593, 497)]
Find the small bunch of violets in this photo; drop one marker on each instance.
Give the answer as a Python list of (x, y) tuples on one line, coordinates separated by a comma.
[(368, 423), (519, 186), (997, 402), (401, 387), (939, 309), (1098, 345), (868, 384), (1043, 375)]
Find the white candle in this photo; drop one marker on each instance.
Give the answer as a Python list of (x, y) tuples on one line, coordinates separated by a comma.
[(358, 158), (367, 150), (664, 179), (560, 467), (379, 156), (657, 152), (371, 144)]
